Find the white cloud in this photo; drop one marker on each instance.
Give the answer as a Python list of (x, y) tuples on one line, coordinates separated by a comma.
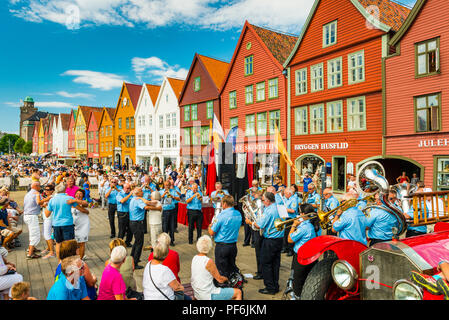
[(156, 69), (96, 80), (285, 15), (43, 104), (74, 95)]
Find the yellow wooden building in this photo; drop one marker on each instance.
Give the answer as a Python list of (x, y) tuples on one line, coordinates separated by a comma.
[(124, 125), (42, 123), (106, 136), (82, 118)]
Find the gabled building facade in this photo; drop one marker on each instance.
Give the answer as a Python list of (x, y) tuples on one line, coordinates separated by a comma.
[(60, 135), (106, 136), (81, 123), (93, 153), (335, 86), (166, 148), (417, 89), (254, 97), (198, 102), (124, 125), (71, 134), (36, 137), (145, 124)]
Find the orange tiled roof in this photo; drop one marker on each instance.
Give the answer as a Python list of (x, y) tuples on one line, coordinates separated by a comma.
[(391, 13), (134, 93), (279, 44), (176, 85), (153, 90), (217, 69)]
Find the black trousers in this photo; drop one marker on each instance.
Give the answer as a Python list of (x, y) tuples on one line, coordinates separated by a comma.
[(257, 246), (195, 217), (285, 245), (176, 216), (248, 234), (225, 255), (413, 233), (112, 208), (137, 229), (270, 258), (168, 223), (123, 227), (300, 273), (145, 223)]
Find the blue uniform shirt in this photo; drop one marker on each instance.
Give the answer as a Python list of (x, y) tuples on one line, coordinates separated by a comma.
[(62, 212), (362, 203), (251, 196), (195, 204), (266, 222), (112, 199), (136, 210), (64, 290), (227, 226), (332, 203), (176, 194), (313, 198), (352, 225), (291, 203), (279, 200), (304, 232), (380, 224), (147, 191), (215, 194), (168, 203), (123, 207), (411, 213)]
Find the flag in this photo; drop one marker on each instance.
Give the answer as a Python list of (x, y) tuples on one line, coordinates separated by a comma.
[(232, 137), (279, 144), (211, 170), (217, 132)]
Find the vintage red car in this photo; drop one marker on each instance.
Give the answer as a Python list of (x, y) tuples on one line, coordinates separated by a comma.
[(350, 270)]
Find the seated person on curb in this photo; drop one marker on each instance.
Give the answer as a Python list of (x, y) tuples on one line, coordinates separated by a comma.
[(437, 284), (204, 271), (6, 230), (172, 259), (70, 284)]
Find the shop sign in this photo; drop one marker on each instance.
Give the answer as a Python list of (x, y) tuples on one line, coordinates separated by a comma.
[(322, 146), (255, 147), (444, 142)]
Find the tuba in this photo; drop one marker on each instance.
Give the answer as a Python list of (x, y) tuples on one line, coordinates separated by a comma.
[(250, 209), (373, 172), (217, 211)]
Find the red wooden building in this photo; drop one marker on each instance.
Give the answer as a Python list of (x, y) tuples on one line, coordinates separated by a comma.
[(71, 134), (254, 96), (199, 101), (335, 73), (417, 89), (93, 152)]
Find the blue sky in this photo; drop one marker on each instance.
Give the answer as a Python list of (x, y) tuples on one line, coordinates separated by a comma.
[(65, 53)]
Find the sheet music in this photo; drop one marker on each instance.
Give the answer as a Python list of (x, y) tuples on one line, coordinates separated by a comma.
[(282, 211)]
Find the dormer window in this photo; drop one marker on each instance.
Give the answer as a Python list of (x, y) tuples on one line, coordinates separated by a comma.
[(330, 34)]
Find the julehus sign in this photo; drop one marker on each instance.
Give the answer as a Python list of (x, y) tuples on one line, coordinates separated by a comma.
[(433, 143), (322, 146)]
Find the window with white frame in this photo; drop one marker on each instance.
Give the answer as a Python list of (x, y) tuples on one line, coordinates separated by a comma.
[(143, 120), (194, 110), (174, 142), (161, 141), (334, 73), (260, 91), (168, 141), (173, 119), (262, 124), (150, 139), (161, 122), (275, 121), (316, 77), (249, 94), (317, 119), (205, 135), (356, 67), (232, 99), (250, 125), (186, 139), (301, 121), (196, 136), (301, 81), (335, 116), (273, 88), (330, 34), (427, 57), (356, 114), (209, 109), (168, 120), (150, 120)]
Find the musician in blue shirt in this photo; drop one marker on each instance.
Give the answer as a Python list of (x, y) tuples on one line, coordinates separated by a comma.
[(168, 195), (123, 199), (147, 188), (194, 199), (380, 224), (225, 231), (300, 233), (219, 193), (111, 195), (314, 197), (271, 244), (255, 192), (292, 209), (350, 224)]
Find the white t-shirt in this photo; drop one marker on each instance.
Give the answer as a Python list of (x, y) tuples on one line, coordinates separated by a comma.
[(162, 276), (155, 216), (202, 280)]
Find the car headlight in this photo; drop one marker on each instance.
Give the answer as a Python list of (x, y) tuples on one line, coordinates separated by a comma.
[(344, 274), (405, 290)]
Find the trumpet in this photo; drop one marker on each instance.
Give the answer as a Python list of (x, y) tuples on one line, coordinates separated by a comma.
[(280, 224), (199, 196)]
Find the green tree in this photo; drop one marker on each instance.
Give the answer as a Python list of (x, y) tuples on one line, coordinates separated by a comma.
[(27, 147), (7, 142), (18, 146)]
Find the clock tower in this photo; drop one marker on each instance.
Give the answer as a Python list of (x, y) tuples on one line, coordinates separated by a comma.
[(26, 111)]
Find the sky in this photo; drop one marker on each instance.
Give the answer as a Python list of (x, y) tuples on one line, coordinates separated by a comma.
[(65, 53)]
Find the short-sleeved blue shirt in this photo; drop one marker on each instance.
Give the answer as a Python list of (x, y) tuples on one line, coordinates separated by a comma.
[(227, 226), (168, 203), (62, 212), (123, 207), (147, 191), (352, 225), (195, 204), (64, 290), (291, 203), (380, 224), (136, 210), (112, 199), (266, 222), (304, 232), (215, 194)]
